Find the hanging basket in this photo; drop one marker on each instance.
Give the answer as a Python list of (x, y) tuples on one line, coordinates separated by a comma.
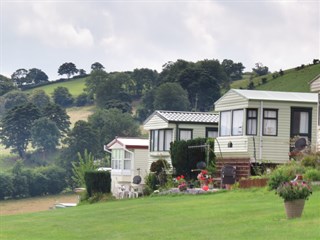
[(294, 208)]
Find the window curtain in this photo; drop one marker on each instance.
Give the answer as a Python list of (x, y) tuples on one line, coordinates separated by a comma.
[(168, 139), (185, 135), (237, 122), (225, 123), (270, 125), (304, 122), (252, 122)]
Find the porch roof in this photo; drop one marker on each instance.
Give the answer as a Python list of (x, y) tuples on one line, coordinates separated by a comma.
[(140, 143)]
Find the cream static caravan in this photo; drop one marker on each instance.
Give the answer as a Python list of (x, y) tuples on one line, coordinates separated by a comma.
[(258, 125)]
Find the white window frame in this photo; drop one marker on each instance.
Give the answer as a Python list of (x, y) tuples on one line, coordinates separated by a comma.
[(227, 125), (185, 134), (160, 140), (270, 123)]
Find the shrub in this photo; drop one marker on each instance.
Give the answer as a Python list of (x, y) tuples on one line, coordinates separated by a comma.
[(38, 184), (312, 175), (284, 173), (55, 178), (310, 161), (82, 100), (159, 165), (151, 182), (97, 182), (6, 187)]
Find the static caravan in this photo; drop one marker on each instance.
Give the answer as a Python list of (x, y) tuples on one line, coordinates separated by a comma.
[(167, 126), (315, 87), (259, 125), (129, 158)]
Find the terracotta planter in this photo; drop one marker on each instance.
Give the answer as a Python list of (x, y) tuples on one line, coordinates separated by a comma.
[(294, 208), (248, 183)]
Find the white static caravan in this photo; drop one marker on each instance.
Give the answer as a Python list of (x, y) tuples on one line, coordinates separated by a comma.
[(258, 125), (168, 126), (315, 87), (129, 158)]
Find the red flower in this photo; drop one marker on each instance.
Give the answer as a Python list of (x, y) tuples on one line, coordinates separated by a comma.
[(182, 176), (178, 178)]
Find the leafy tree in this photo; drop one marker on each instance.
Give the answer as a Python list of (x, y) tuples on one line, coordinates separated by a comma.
[(260, 69), (82, 137), (97, 66), (6, 85), (146, 107), (171, 96), (84, 164), (19, 77), (13, 99), (172, 70), (62, 96), (95, 80), (45, 134), (82, 72), (144, 80), (82, 99), (233, 70), (15, 127), (58, 115), (110, 123), (68, 68), (36, 76), (39, 98)]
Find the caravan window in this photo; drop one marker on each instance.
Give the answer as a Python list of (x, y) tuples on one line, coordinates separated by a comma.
[(160, 140), (270, 122), (252, 119), (231, 123)]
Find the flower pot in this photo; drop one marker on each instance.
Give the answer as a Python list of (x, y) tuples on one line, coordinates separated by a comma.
[(294, 208)]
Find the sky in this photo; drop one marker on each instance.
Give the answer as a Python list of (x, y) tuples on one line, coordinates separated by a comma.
[(127, 34)]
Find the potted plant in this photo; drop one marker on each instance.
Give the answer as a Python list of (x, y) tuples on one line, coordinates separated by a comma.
[(294, 194)]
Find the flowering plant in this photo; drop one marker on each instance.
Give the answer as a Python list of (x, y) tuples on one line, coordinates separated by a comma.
[(204, 177), (294, 190), (182, 183)]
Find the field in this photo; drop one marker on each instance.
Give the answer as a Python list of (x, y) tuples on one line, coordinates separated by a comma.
[(238, 214), (292, 80), (35, 204)]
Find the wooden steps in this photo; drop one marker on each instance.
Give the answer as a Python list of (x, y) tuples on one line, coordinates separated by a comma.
[(242, 166)]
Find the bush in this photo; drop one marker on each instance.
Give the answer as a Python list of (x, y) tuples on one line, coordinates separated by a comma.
[(310, 161), (159, 165), (312, 175), (82, 100), (55, 178), (151, 182), (284, 173), (97, 182), (38, 184), (6, 187)]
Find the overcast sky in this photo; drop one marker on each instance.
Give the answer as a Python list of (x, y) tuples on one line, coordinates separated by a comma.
[(124, 35)]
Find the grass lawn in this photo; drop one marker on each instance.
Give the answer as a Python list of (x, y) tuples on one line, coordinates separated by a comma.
[(238, 214)]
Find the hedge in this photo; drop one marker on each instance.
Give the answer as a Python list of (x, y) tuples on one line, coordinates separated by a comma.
[(97, 182)]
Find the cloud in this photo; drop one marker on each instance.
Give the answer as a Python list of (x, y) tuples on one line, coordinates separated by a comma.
[(45, 23)]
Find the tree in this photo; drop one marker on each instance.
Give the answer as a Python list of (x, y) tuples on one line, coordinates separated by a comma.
[(39, 98), (82, 72), (171, 96), (19, 77), (62, 96), (233, 70), (95, 80), (15, 127), (260, 69), (97, 66), (82, 137), (13, 99), (110, 123), (6, 85), (84, 164), (36, 76), (68, 68), (45, 134), (58, 115), (144, 80)]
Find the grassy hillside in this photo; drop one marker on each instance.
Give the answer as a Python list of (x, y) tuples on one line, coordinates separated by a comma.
[(291, 81), (75, 86), (238, 214)]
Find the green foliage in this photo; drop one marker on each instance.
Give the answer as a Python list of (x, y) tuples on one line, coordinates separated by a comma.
[(260, 70), (13, 99), (15, 127), (39, 98), (159, 165), (185, 159), (312, 175), (6, 187), (294, 191), (84, 164), (284, 173), (171, 96), (6, 85), (97, 66), (82, 100), (58, 115), (62, 97), (151, 183), (97, 182), (45, 134), (68, 68), (311, 160)]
